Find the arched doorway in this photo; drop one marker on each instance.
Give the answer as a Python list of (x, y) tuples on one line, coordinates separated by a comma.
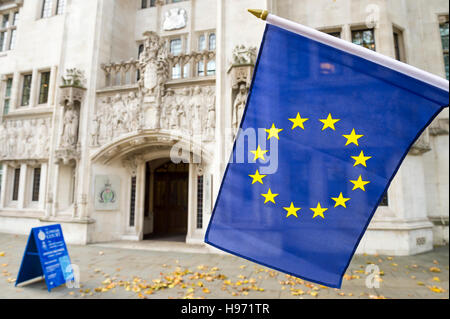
[(166, 200)]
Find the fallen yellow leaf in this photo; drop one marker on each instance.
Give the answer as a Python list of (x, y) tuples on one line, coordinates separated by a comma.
[(140, 295), (436, 289), (2, 253), (436, 279), (435, 269), (206, 290), (136, 289)]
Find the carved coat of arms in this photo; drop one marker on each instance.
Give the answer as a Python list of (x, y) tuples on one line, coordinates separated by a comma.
[(175, 19), (107, 194)]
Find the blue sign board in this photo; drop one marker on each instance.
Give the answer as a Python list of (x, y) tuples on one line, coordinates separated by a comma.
[(46, 255)]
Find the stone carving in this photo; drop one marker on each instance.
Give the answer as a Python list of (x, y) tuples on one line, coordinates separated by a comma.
[(95, 130), (422, 145), (71, 100), (211, 117), (153, 64), (116, 116), (69, 136), (239, 105), (190, 110), (175, 19), (241, 72), (244, 55), (74, 78), (25, 139)]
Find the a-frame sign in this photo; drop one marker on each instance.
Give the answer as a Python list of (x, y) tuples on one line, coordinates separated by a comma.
[(46, 256)]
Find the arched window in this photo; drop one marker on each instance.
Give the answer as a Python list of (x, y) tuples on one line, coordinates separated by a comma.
[(201, 43), (212, 41)]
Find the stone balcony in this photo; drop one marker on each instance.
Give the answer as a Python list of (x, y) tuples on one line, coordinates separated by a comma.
[(189, 67)]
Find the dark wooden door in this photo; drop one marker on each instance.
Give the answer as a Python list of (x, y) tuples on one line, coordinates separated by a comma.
[(171, 199)]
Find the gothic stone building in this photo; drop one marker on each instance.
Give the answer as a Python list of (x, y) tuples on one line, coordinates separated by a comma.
[(117, 116)]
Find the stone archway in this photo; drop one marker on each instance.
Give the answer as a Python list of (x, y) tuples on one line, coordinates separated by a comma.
[(129, 157)]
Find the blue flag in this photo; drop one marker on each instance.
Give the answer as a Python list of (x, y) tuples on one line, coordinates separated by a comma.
[(335, 129)]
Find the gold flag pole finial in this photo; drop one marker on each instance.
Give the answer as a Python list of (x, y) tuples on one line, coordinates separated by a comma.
[(262, 14)]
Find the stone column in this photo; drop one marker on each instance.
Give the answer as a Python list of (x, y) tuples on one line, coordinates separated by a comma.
[(34, 90), (22, 185), (192, 201), (15, 92), (43, 185), (140, 200), (52, 85), (346, 33), (4, 185), (55, 190)]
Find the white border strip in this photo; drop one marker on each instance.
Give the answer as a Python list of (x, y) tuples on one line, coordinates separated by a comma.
[(359, 51)]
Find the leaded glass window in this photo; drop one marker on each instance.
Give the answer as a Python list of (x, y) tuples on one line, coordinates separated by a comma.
[(26, 90), (47, 8), (175, 46), (365, 38), (43, 88)]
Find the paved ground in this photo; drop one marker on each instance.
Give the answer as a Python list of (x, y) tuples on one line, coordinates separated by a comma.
[(124, 273)]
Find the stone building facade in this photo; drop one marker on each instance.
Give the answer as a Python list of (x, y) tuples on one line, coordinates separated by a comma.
[(118, 116)]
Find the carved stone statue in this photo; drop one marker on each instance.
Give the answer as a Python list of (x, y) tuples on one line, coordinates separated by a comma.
[(70, 131), (239, 105), (197, 103), (133, 112), (95, 130), (73, 77), (244, 55), (169, 102)]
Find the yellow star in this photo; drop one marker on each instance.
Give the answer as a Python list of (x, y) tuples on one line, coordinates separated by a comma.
[(318, 211), (352, 138), (298, 122), (329, 122), (273, 132), (269, 196), (340, 201), (359, 183), (257, 177), (259, 153), (292, 210), (361, 159)]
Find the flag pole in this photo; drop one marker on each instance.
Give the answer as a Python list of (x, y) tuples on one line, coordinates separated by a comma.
[(352, 48)]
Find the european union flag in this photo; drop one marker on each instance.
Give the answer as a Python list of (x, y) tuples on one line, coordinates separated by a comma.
[(336, 128)]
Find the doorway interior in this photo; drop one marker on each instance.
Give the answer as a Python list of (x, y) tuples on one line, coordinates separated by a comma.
[(166, 201)]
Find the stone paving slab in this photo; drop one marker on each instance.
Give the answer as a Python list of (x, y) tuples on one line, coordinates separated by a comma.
[(112, 272)]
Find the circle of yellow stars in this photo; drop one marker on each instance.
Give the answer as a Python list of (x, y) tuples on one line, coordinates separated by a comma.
[(298, 122)]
